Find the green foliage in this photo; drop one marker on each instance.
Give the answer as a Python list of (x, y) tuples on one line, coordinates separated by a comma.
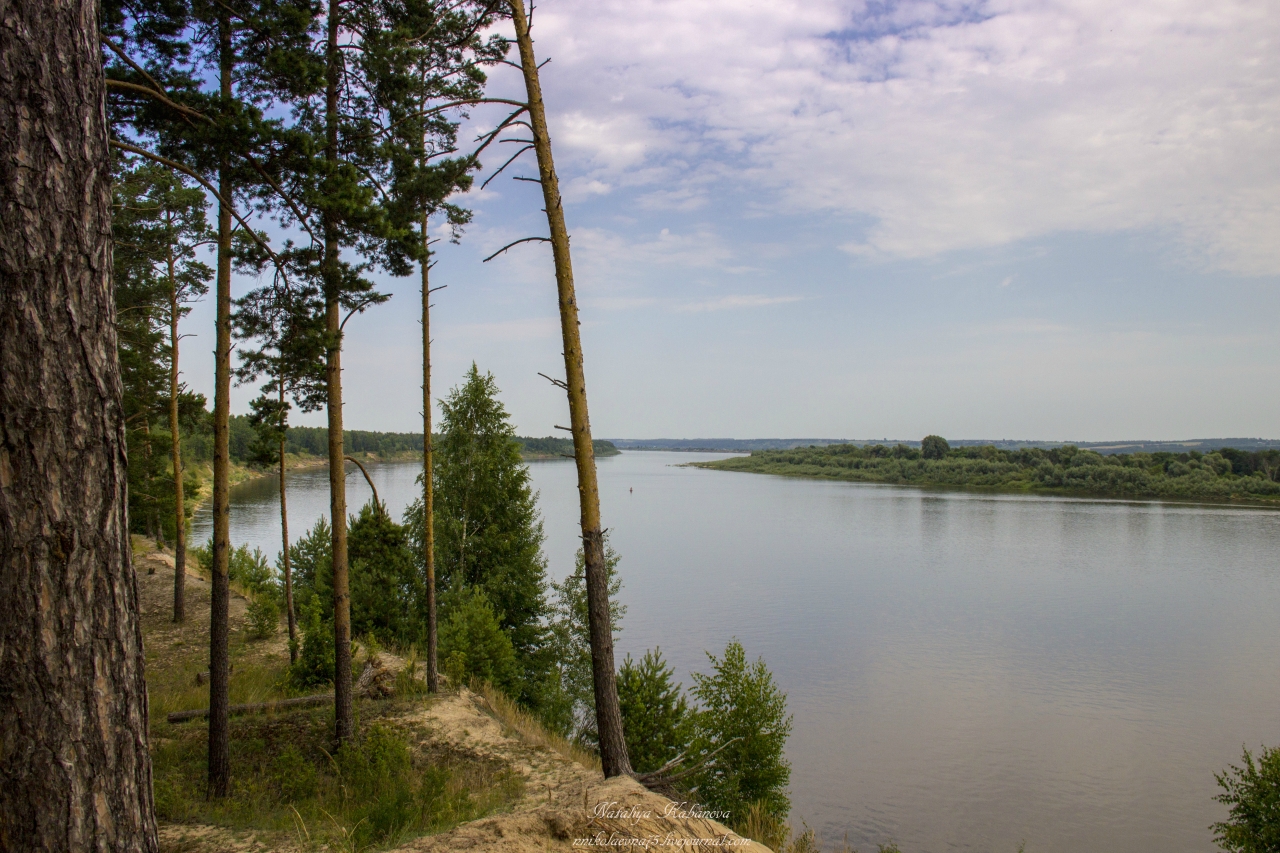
[(934, 447), (1225, 474), (251, 571), (246, 568), (203, 556), (488, 535), (316, 660), (264, 617), (473, 644), (157, 225), (387, 593), (1252, 791), (386, 585), (572, 712), (656, 720), (311, 559), (742, 711)]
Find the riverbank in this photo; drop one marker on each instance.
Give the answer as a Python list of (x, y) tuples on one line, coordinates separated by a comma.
[(459, 770), (1223, 476)]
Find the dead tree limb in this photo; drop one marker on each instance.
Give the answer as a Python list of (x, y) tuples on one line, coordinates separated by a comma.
[(517, 243), (368, 480), (559, 384)]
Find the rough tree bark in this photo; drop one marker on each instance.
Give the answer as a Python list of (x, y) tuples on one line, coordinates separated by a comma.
[(284, 538), (344, 713), (428, 487), (219, 649), (613, 748), (179, 510), (74, 769)]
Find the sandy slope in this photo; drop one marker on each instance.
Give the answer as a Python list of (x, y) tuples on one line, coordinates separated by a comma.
[(566, 805)]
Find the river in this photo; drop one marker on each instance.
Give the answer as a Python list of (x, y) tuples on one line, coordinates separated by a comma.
[(967, 671)]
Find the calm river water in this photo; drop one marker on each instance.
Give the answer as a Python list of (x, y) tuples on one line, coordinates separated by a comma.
[(966, 671)]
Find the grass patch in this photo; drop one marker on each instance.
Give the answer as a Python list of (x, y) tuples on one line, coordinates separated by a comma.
[(377, 792), (530, 729)]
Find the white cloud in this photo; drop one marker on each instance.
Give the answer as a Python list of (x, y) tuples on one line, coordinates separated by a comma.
[(951, 125), (736, 301)]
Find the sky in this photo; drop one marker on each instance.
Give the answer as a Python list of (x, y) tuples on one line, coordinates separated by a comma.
[(1016, 219)]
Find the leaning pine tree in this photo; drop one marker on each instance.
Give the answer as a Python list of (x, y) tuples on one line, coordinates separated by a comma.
[(613, 745)]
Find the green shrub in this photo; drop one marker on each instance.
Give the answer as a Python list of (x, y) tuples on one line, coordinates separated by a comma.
[(394, 796), (312, 558), (264, 617), (249, 569), (386, 579), (373, 793), (571, 707), (1253, 794), (203, 557), (252, 572), (315, 663), (739, 700), (655, 715), (295, 777), (473, 642)]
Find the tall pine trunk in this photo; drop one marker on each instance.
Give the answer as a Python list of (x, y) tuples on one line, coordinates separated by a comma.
[(344, 713), (74, 768), (219, 650), (428, 486), (613, 747), (284, 539), (179, 510)]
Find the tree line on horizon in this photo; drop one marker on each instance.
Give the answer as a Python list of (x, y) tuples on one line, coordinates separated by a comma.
[(1222, 474)]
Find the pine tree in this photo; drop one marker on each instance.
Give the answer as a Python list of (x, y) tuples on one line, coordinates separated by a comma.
[(573, 711), (76, 770), (158, 226), (411, 77), (386, 589), (141, 294), (488, 534), (287, 346), (655, 714)]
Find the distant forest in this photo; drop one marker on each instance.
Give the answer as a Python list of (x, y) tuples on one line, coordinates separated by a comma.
[(1224, 474), (314, 441)]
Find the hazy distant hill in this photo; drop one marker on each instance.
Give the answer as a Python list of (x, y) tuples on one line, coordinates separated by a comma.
[(746, 445)]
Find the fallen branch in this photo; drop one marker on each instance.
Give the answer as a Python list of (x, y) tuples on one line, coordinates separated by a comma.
[(663, 780), (236, 710)]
